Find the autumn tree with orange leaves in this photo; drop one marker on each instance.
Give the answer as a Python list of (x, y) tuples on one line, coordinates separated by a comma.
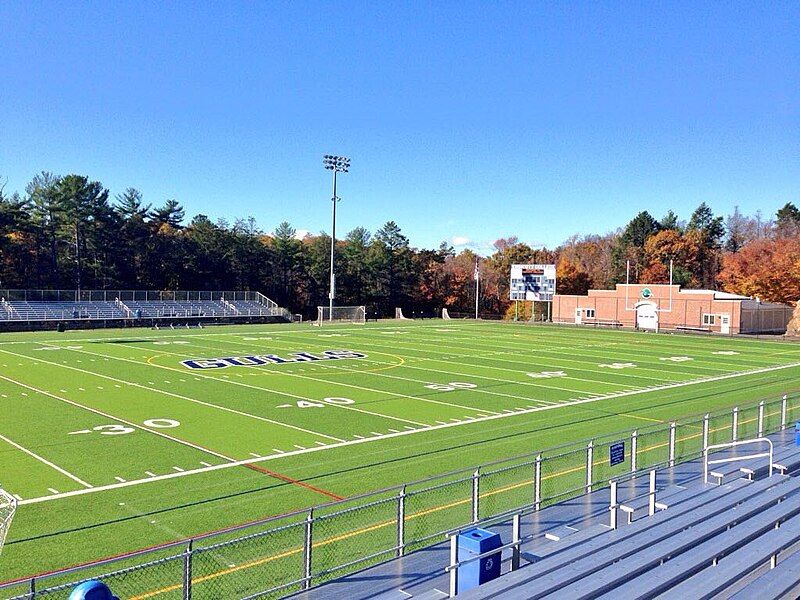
[(768, 269)]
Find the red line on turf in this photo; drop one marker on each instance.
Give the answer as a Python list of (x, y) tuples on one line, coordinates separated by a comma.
[(288, 479)]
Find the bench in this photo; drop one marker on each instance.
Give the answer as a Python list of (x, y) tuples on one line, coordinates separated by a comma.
[(690, 328), (776, 583), (737, 545), (614, 565), (605, 323), (576, 561)]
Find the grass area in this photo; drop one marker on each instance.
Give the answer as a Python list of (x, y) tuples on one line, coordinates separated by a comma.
[(119, 440)]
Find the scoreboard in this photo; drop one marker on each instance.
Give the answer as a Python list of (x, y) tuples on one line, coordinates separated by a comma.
[(533, 282)]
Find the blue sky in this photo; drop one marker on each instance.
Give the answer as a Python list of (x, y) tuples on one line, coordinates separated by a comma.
[(466, 121)]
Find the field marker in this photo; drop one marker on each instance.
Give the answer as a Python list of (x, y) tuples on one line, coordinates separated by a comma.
[(151, 474), (299, 447), (320, 443), (120, 479), (255, 455), (80, 431), (202, 462), (375, 433), (178, 469), (278, 450), (360, 437), (52, 491)]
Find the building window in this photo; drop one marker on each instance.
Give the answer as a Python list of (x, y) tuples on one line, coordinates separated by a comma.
[(709, 319), (589, 313)]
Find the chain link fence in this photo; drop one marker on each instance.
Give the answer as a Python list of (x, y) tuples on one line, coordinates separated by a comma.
[(283, 555)]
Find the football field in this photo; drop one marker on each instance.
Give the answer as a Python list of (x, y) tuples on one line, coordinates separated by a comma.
[(123, 439)]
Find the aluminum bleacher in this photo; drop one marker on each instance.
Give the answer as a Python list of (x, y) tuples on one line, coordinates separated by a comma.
[(32, 306), (735, 535), (707, 542)]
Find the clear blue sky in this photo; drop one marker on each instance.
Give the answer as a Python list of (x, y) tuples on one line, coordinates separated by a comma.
[(463, 120)]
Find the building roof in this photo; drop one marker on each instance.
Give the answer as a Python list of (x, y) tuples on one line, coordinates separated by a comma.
[(717, 295)]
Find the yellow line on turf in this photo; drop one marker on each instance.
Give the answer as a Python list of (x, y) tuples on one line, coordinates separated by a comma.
[(640, 417)]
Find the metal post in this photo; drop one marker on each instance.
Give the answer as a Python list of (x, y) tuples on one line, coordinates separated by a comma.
[(672, 444), (761, 419), (307, 545), (32, 589), (652, 503), (613, 505), (477, 287), (589, 462), (537, 482), (476, 488), (453, 563), (735, 424), (187, 572), (332, 289), (515, 537), (634, 439), (401, 521), (705, 431), (783, 411)]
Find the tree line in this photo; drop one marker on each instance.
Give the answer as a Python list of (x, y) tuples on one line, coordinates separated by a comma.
[(67, 232)]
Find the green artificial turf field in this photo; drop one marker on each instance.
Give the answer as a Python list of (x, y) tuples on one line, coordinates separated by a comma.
[(112, 441)]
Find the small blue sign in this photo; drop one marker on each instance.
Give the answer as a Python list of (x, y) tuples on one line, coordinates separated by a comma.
[(616, 453)]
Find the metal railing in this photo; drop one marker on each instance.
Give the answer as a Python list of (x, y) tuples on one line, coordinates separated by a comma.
[(709, 449), (281, 555)]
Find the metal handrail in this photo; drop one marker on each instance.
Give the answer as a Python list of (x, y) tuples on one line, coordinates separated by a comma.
[(760, 440)]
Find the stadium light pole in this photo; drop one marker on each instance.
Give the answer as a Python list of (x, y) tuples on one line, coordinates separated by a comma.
[(337, 164)]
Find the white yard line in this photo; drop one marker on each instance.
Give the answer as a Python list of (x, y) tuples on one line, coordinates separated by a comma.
[(172, 394), (47, 462), (404, 433), (255, 387), (325, 381), (339, 367), (113, 418), (458, 352), (544, 354)]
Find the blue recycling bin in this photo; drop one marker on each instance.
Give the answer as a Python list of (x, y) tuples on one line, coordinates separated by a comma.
[(797, 433), (472, 543), (92, 590)]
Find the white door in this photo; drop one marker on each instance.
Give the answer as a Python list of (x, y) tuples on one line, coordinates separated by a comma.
[(724, 323), (578, 316), (647, 316)]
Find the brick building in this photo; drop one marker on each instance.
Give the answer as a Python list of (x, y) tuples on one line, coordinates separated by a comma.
[(660, 306)]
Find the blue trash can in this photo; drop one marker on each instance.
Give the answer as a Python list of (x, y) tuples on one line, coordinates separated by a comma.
[(92, 590), (797, 433), (471, 543)]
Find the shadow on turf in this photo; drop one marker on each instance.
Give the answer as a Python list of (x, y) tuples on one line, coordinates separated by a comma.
[(603, 414)]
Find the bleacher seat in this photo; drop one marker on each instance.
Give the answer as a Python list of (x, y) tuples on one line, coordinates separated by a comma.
[(589, 565), (780, 582)]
